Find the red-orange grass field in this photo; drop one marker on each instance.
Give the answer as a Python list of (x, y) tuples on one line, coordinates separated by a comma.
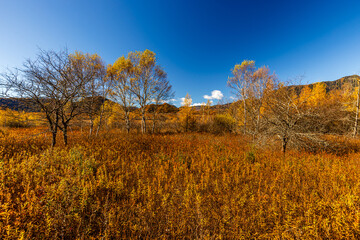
[(179, 186)]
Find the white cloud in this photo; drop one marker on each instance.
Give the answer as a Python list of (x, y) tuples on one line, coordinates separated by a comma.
[(182, 101), (164, 101), (170, 101), (198, 104), (216, 94)]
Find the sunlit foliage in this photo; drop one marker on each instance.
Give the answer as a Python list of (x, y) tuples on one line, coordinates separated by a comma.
[(187, 119), (173, 186), (11, 118)]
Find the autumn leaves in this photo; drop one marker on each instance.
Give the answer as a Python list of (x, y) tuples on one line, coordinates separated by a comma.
[(65, 86)]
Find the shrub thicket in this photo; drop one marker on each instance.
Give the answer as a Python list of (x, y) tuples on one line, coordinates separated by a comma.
[(173, 186)]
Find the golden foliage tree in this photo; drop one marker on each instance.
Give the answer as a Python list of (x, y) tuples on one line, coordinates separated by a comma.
[(147, 79), (91, 70), (252, 86), (186, 115), (240, 82), (121, 75)]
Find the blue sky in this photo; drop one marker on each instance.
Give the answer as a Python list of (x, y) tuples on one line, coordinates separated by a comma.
[(196, 42)]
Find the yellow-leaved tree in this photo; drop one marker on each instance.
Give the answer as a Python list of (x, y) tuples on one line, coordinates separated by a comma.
[(120, 75), (357, 93), (94, 90), (305, 95), (318, 95), (186, 115), (252, 86), (240, 82), (149, 82)]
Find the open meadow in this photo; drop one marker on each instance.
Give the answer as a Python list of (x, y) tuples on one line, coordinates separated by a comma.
[(179, 120), (173, 186)]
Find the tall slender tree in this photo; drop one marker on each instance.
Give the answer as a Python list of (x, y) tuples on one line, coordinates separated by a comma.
[(148, 76), (357, 108), (91, 70), (121, 75), (240, 82), (262, 83)]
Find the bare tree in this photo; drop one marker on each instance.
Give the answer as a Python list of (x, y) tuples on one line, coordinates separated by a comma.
[(52, 82), (162, 93), (293, 119), (38, 80), (104, 91)]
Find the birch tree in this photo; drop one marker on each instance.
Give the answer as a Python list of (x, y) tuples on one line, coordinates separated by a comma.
[(91, 70), (262, 83), (121, 75), (240, 82), (148, 75), (357, 108)]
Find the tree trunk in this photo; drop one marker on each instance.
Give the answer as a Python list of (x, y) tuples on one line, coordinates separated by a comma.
[(91, 127), (65, 135), (127, 122), (101, 116), (284, 144), (154, 122), (54, 133), (258, 122), (54, 129), (143, 120), (357, 112), (244, 116)]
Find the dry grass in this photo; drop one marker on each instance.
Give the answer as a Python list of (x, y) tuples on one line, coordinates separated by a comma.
[(181, 186)]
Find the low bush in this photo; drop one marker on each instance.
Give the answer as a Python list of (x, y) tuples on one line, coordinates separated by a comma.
[(223, 123), (178, 186)]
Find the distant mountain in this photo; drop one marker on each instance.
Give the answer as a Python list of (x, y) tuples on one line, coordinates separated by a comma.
[(163, 108), (27, 105), (21, 104), (332, 85), (338, 84)]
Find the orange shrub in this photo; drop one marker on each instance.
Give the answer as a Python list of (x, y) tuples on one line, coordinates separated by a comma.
[(176, 186)]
